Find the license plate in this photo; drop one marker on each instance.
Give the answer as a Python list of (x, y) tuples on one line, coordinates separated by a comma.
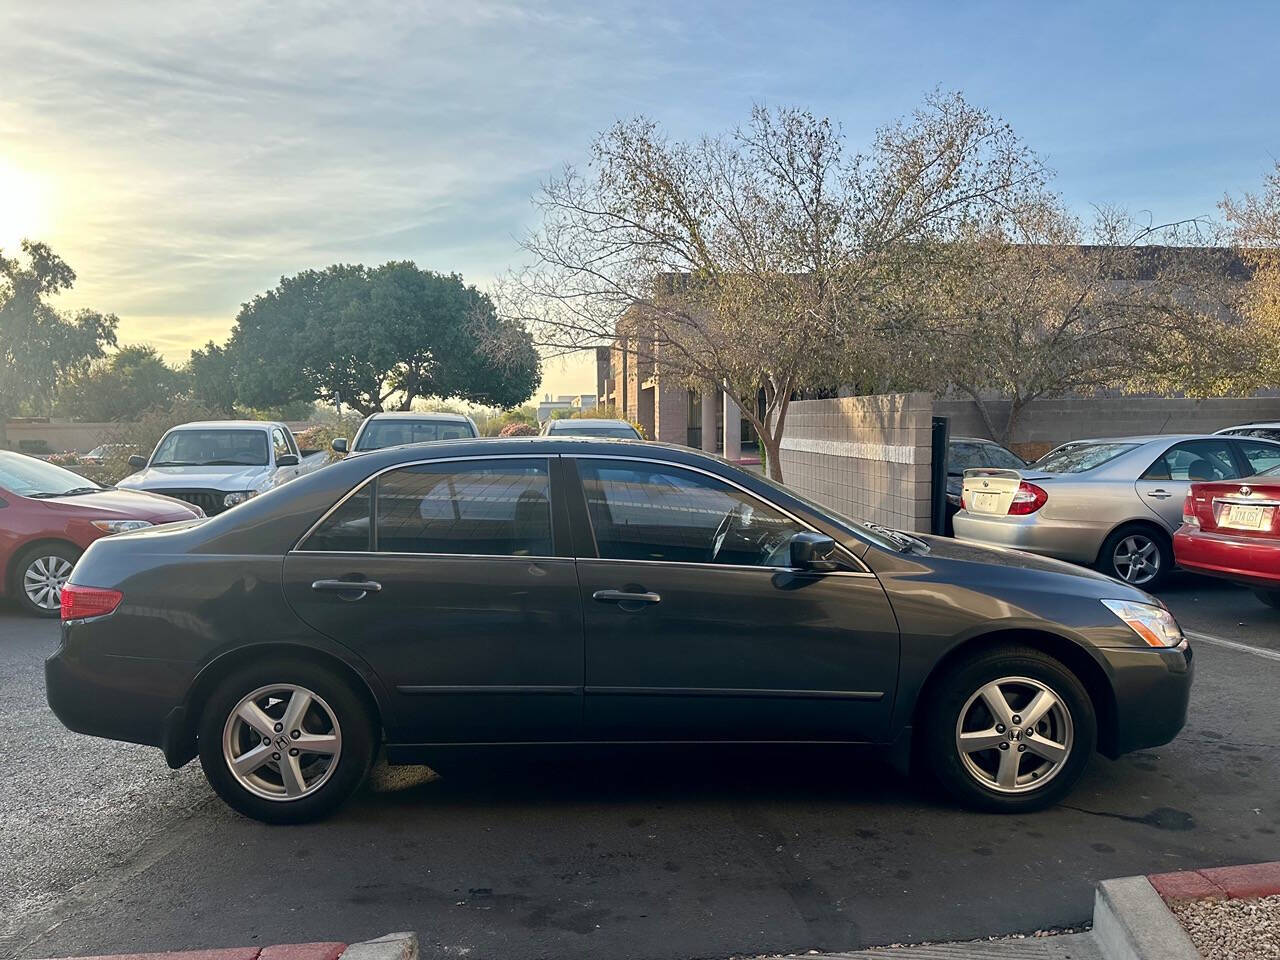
[(1240, 517), (986, 502)]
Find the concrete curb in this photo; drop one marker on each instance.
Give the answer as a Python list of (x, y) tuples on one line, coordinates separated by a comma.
[(393, 946), (1131, 922)]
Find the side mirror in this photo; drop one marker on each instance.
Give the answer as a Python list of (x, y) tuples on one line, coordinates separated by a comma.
[(813, 551), (339, 444), (136, 461), (287, 460)]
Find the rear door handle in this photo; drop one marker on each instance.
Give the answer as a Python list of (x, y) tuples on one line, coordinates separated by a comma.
[(1159, 494), (623, 596), (353, 589)]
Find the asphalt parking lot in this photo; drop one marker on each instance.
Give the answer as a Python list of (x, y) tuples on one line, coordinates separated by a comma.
[(647, 855)]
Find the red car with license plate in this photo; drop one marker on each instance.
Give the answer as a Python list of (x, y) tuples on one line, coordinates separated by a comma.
[(48, 516), (1231, 529)]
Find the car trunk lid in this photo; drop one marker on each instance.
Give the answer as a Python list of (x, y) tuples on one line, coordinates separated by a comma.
[(1242, 508)]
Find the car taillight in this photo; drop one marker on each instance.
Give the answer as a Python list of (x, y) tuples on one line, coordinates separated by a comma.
[(81, 602), (963, 505), (1189, 512), (1028, 499)]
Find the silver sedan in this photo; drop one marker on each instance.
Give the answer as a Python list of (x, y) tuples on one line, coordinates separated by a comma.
[(1112, 503)]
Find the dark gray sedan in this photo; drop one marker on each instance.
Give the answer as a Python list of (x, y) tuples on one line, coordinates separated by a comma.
[(475, 593)]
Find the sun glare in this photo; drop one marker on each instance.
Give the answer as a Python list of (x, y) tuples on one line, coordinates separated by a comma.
[(24, 210)]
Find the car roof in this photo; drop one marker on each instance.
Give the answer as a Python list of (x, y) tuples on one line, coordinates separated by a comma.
[(972, 440), (1144, 438), (1271, 424), (590, 423), (228, 424), (420, 415)]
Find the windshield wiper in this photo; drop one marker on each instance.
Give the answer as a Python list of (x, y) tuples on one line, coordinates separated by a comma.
[(171, 463), (904, 541), (229, 463), (73, 492)]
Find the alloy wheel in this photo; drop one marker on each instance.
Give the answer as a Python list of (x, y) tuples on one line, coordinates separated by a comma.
[(1136, 559), (282, 742), (44, 579), (1014, 735)]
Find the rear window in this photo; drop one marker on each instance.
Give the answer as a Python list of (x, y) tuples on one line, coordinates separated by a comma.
[(1081, 457), (392, 433), (618, 432)]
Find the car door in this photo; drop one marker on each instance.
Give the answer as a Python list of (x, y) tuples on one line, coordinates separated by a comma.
[(447, 577), (1165, 484), (1259, 455), (695, 628)]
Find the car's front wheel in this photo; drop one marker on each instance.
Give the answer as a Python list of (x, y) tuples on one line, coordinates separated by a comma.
[(39, 576), (285, 741), (1009, 730)]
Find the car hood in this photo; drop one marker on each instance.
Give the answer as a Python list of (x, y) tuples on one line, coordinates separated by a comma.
[(225, 479), (947, 549), (125, 505)]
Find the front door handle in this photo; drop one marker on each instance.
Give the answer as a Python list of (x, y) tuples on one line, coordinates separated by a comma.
[(1159, 494), (349, 589), (624, 596)]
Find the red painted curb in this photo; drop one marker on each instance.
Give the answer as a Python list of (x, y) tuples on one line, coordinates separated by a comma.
[(285, 951), (1219, 883)]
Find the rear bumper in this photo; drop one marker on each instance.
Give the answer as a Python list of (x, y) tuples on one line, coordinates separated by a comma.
[(120, 698), (1152, 689), (1248, 560), (1071, 540)]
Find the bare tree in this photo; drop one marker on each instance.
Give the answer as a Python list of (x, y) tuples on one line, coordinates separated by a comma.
[(1254, 222), (757, 260), (1029, 304)]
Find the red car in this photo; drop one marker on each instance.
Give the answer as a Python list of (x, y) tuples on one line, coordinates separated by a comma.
[(1231, 529), (48, 516)]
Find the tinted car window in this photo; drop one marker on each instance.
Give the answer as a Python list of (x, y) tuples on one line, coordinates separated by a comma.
[(1078, 458), (621, 433), (964, 456), (347, 528), (393, 432), (488, 507), (643, 511), (1195, 460), (1262, 433), (1261, 456)]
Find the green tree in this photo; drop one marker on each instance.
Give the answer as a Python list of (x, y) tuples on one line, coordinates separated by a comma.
[(39, 344), (122, 386), (211, 379), (379, 338)]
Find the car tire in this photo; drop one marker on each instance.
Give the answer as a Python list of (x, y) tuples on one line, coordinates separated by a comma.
[(958, 713), (1270, 597), (38, 577), (335, 741), (1144, 544)]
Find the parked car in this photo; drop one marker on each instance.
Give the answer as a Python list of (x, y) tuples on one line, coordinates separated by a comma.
[(393, 429), (1113, 503), (48, 516), (546, 590), (106, 451), (1232, 530), (1266, 431), (217, 464), (590, 427), (966, 453)]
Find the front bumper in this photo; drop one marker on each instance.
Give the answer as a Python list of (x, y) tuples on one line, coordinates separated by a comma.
[(1249, 560), (1072, 540), (1152, 689)]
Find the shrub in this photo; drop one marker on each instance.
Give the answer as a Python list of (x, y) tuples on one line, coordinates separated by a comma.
[(518, 430)]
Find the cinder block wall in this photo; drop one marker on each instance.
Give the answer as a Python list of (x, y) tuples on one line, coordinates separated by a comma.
[(867, 457)]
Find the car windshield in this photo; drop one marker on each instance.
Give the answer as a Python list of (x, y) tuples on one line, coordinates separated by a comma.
[(392, 433), (1080, 457), (581, 430), (29, 477), (215, 447)]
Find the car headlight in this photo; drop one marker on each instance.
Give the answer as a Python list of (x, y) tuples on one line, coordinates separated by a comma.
[(231, 499), (1154, 624), (120, 526)]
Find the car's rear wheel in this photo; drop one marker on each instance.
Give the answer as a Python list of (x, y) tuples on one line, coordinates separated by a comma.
[(1138, 555), (1009, 730), (285, 741), (39, 576), (1270, 597)]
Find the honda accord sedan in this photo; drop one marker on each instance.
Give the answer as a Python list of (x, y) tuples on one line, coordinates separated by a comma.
[(568, 591)]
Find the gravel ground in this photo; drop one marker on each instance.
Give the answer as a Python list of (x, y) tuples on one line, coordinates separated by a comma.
[(1233, 929)]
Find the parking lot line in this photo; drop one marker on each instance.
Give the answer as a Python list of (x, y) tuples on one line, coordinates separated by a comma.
[(1232, 644)]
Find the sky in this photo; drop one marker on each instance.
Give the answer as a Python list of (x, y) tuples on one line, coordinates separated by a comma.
[(183, 157)]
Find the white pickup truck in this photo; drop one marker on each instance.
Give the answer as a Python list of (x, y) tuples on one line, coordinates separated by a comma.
[(217, 464)]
